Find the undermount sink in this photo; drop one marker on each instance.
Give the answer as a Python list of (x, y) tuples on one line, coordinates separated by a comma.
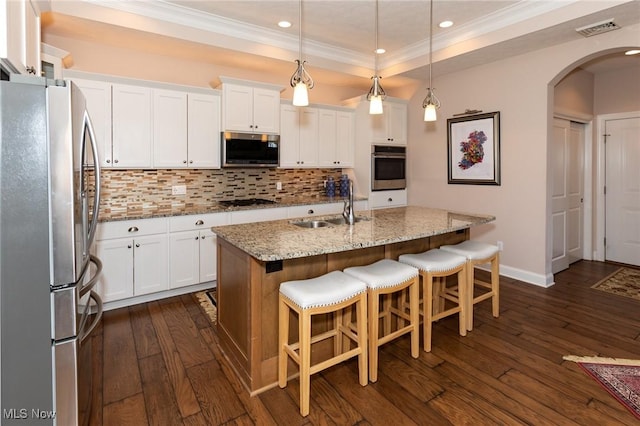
[(342, 220), (311, 223)]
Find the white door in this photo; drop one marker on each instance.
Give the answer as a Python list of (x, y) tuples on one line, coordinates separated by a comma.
[(622, 190), (567, 163)]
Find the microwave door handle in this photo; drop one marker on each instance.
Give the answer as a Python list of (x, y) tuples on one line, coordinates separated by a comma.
[(96, 165), (84, 333)]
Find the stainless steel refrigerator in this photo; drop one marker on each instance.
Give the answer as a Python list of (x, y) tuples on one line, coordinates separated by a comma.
[(49, 201)]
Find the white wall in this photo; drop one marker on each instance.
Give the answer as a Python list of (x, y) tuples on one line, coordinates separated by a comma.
[(521, 88)]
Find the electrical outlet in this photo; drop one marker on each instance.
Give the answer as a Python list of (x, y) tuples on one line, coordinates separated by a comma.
[(179, 190), (279, 186), (500, 246)]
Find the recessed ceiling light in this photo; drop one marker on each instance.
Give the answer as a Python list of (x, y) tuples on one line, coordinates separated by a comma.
[(632, 52), (445, 24), (284, 24), (380, 51)]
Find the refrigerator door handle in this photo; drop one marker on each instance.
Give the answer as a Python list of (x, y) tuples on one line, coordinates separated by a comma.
[(96, 164), (84, 333), (88, 286)]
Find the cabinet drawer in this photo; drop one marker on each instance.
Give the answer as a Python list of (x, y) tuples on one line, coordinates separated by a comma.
[(197, 221), (131, 228), (315, 209), (382, 199)]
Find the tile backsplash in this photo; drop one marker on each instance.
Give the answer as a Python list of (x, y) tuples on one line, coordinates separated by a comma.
[(125, 191)]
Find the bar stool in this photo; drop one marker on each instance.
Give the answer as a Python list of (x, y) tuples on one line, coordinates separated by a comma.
[(438, 264), (478, 253), (384, 278), (329, 293)]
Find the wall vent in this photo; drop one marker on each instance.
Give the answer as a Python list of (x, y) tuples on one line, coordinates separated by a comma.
[(598, 28)]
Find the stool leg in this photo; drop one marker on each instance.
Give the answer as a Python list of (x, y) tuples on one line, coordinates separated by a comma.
[(305, 361), (414, 316), (373, 323), (427, 297), (495, 285), (470, 278), (283, 340), (361, 315), (463, 300), (386, 317)]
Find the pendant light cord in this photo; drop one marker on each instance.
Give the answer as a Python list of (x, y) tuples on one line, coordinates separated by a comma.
[(376, 51), (430, 41), (300, 29)]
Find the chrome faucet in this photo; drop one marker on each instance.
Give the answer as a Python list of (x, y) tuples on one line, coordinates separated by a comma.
[(347, 212)]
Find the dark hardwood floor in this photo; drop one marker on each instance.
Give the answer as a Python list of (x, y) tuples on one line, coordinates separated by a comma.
[(159, 364)]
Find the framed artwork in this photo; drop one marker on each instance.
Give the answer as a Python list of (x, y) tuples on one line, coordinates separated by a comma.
[(474, 149)]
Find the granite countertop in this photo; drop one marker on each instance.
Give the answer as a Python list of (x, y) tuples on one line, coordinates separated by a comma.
[(281, 239), (153, 211)]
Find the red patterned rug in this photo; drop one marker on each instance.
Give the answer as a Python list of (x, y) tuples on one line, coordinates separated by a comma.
[(619, 377)]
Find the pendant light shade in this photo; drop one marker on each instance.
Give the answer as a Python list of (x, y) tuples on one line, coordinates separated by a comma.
[(431, 102), (301, 81), (376, 94)]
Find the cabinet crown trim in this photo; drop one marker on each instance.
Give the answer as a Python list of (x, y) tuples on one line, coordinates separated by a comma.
[(259, 84)]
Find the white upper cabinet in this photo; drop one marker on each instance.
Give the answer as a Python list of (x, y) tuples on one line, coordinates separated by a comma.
[(132, 126), (20, 36), (250, 108), (97, 95), (390, 127), (169, 128), (335, 138), (298, 136), (203, 133)]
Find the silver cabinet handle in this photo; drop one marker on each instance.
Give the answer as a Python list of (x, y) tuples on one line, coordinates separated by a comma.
[(202, 238), (190, 161), (115, 161), (390, 200), (129, 246), (310, 211), (200, 222), (137, 244), (197, 238), (133, 229), (108, 161), (184, 161)]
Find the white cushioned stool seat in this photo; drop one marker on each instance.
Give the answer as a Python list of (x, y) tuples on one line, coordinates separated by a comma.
[(385, 278), (324, 290), (329, 294), (472, 250), (437, 264), (479, 253)]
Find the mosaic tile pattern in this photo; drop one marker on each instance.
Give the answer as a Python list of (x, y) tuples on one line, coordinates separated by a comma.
[(130, 194), (282, 239)]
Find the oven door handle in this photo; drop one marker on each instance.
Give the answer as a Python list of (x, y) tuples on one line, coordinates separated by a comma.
[(389, 156), (84, 333)]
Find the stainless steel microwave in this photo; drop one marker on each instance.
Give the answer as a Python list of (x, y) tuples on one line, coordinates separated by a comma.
[(250, 150)]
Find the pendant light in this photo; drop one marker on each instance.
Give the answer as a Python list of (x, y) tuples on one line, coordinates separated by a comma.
[(431, 102), (301, 80), (376, 94)]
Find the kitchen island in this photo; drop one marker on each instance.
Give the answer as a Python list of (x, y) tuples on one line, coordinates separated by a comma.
[(254, 258)]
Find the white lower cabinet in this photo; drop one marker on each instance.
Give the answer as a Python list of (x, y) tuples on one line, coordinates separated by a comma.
[(134, 256), (192, 248), (383, 199)]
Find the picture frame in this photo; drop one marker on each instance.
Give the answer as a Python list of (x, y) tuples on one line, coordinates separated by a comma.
[(474, 149)]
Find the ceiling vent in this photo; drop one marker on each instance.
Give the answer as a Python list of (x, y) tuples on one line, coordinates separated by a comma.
[(598, 28)]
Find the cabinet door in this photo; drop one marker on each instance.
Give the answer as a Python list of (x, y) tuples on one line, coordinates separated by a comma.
[(289, 137), (185, 260), (345, 139), (150, 268), (266, 111), (397, 123), (208, 256), (327, 138), (116, 281), (98, 98), (382, 199), (169, 129), (237, 108), (203, 131), (19, 36), (131, 126), (308, 140)]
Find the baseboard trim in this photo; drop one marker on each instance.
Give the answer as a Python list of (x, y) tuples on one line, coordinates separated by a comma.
[(522, 275)]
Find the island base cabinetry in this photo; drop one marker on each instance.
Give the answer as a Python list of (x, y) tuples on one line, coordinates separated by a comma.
[(248, 301)]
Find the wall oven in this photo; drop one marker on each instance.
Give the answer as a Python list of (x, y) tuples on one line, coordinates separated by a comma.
[(388, 167)]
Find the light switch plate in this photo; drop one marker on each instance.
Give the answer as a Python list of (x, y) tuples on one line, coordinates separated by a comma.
[(179, 190)]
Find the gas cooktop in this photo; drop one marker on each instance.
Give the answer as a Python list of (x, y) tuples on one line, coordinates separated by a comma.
[(245, 202)]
